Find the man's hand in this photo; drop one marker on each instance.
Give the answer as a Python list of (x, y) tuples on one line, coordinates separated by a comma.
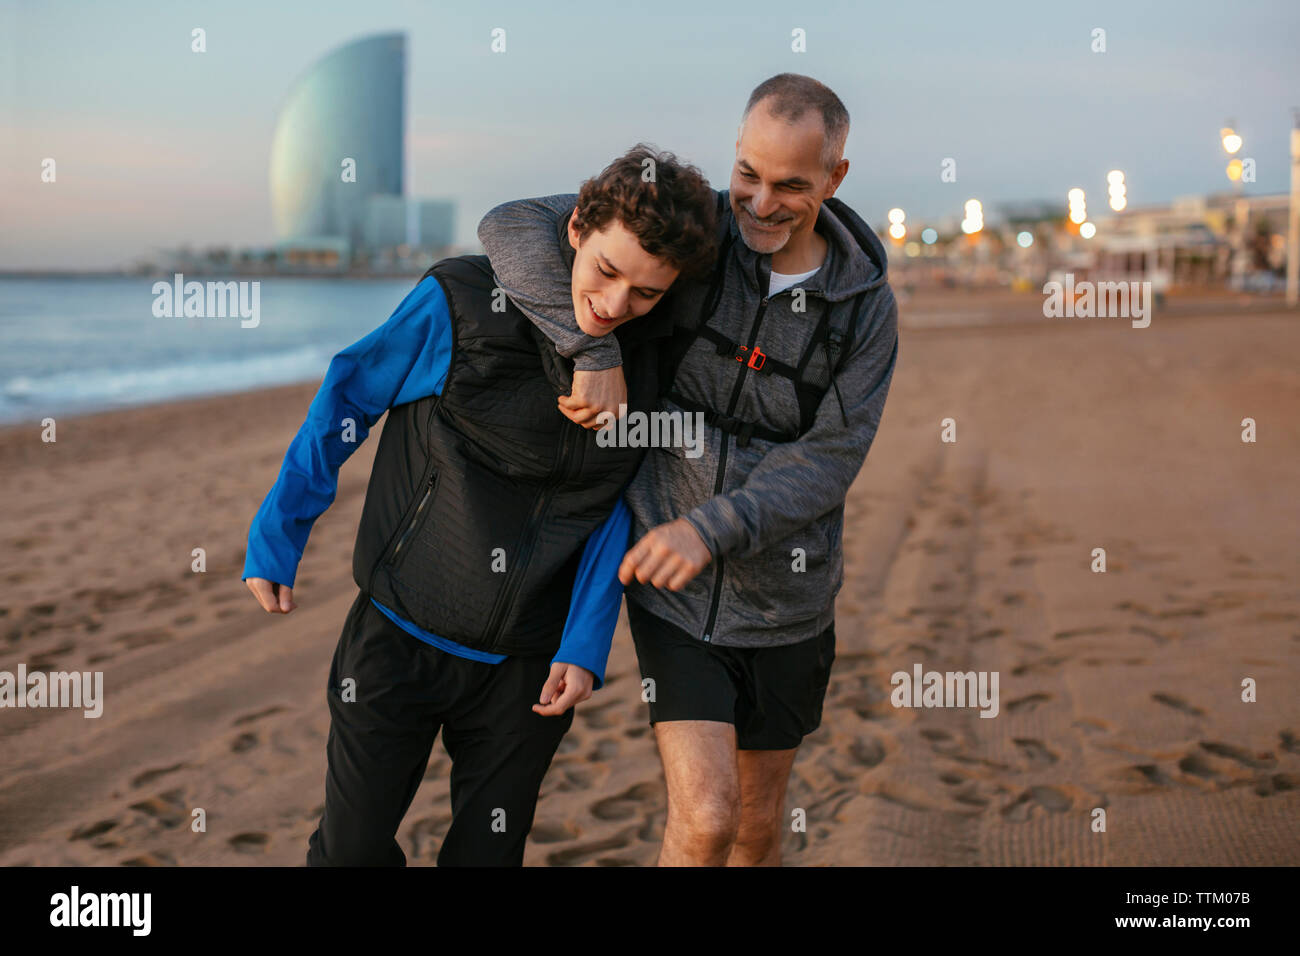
[(568, 684), (667, 557), (275, 598), (593, 393)]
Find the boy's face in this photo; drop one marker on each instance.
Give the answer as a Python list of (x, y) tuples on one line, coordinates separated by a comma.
[(614, 279)]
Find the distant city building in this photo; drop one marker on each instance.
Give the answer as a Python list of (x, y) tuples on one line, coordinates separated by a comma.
[(385, 222), (436, 219), (418, 223), (350, 105), (337, 176)]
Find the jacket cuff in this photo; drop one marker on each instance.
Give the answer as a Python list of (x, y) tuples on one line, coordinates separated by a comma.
[(710, 520), (253, 568), (602, 354), (596, 667)]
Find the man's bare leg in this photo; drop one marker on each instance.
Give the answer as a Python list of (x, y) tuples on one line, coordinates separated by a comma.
[(764, 775), (699, 758)]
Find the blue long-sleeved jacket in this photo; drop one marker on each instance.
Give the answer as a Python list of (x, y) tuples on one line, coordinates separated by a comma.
[(405, 359)]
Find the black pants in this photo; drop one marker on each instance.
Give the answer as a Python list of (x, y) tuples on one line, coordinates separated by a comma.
[(382, 729)]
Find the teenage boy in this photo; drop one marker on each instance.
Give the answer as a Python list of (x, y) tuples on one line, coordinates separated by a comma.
[(491, 525)]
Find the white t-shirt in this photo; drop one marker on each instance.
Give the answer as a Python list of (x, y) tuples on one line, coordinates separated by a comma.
[(781, 281)]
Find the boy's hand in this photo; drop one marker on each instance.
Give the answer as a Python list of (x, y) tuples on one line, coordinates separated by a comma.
[(568, 684), (593, 393), (275, 598)]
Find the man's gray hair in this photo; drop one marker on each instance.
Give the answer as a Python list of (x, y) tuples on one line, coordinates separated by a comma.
[(790, 95)]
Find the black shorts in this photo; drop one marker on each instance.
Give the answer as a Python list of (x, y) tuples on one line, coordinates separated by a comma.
[(773, 695)]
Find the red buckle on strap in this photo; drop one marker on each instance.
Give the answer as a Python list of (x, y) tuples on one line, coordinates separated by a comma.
[(756, 358)]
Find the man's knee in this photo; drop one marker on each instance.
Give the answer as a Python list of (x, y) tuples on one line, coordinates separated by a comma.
[(759, 833), (709, 821)]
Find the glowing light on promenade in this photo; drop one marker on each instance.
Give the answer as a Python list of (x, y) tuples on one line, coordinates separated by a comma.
[(1078, 207), (974, 220), (1087, 230), (1025, 240), (929, 236), (896, 228), (1118, 191), (1231, 144)]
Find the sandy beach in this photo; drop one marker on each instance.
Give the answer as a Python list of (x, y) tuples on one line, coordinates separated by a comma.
[(1119, 690)]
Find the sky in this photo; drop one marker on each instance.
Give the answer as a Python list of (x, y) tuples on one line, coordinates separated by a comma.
[(157, 146)]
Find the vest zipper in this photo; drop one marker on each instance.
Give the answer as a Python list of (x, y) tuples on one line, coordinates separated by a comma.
[(528, 539), (715, 598), (415, 519)]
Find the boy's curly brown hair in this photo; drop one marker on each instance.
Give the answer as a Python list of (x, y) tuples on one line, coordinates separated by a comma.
[(667, 204)]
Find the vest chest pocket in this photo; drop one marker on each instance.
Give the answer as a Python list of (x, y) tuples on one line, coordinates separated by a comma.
[(412, 524)]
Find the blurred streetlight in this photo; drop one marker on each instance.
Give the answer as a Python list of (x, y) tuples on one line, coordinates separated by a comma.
[(896, 228), (929, 236), (974, 220), (1087, 230), (1231, 144), (1078, 207), (1025, 239), (1118, 191)]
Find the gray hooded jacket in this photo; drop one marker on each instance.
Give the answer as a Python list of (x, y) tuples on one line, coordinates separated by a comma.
[(770, 512)]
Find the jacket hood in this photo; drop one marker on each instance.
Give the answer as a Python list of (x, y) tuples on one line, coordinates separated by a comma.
[(855, 256)]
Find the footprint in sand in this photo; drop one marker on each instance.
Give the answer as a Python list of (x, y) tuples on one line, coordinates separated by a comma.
[(552, 833), (255, 715), (1049, 798), (1079, 632), (576, 778), (1155, 635), (868, 753), (599, 717), (1094, 725), (639, 799), (244, 742), (133, 639), (572, 856), (1035, 752), (1151, 774), (1278, 783), (1239, 754), (971, 796), (606, 749), (156, 858), (249, 842), (1197, 766), (1042, 665), (1027, 703), (165, 809), (1177, 703), (92, 830), (149, 776)]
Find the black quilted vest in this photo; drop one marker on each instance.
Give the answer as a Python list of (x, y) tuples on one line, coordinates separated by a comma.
[(481, 498)]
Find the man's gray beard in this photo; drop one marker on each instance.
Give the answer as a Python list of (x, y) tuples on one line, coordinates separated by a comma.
[(777, 243)]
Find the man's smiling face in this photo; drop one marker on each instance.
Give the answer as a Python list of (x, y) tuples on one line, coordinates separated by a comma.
[(614, 279), (778, 181)]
